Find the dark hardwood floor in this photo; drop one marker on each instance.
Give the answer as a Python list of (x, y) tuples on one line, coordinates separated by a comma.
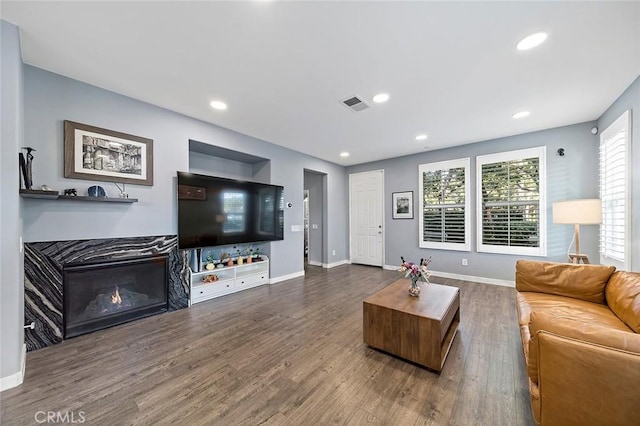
[(286, 354)]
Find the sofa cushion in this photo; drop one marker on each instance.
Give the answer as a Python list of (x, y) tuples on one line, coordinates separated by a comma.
[(585, 282), (587, 327), (623, 297), (566, 307)]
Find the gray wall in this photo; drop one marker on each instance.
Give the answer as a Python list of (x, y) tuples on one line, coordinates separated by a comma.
[(207, 165), (11, 266), (313, 182), (630, 99), (51, 98), (573, 176)]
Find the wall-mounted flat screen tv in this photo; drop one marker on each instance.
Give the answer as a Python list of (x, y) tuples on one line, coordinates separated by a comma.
[(214, 211)]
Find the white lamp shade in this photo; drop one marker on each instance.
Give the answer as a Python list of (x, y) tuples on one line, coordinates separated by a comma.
[(582, 212)]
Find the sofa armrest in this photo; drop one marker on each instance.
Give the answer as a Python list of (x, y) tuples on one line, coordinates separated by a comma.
[(585, 282), (583, 383)]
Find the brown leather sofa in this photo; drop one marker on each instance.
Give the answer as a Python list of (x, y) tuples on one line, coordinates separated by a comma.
[(579, 326)]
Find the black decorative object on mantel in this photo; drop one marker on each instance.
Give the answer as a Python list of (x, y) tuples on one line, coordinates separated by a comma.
[(29, 165), (26, 167)]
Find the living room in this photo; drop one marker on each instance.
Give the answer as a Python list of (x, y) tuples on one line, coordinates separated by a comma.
[(38, 96)]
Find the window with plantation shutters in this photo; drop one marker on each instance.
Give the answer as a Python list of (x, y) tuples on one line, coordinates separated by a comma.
[(444, 205), (614, 193), (511, 207)]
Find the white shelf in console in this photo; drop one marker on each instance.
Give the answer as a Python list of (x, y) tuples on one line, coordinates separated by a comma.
[(231, 279)]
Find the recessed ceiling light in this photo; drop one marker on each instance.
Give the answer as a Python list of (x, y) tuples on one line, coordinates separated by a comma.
[(218, 105), (521, 114), (380, 98), (344, 154), (421, 137), (531, 41)]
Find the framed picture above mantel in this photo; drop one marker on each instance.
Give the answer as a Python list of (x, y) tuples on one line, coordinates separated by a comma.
[(92, 153)]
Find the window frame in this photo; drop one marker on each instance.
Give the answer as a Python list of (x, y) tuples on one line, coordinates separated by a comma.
[(621, 123), (541, 153), (439, 166)]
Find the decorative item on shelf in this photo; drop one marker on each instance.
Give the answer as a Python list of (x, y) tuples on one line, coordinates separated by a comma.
[(250, 256), (26, 167), (96, 191), (122, 194), (256, 255), (71, 192), (416, 273), (240, 260), (211, 278), (210, 264), (226, 258)]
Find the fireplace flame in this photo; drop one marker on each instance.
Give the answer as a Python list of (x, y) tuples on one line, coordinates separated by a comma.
[(115, 297)]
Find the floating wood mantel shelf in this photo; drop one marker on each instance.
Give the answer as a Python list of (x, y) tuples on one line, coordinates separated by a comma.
[(53, 195)]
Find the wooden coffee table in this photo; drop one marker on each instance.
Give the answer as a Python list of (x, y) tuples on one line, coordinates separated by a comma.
[(419, 329)]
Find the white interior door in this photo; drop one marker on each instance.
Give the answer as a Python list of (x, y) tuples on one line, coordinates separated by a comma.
[(366, 217)]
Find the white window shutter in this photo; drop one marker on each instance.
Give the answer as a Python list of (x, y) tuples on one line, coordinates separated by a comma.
[(614, 193), (511, 211), (444, 205)]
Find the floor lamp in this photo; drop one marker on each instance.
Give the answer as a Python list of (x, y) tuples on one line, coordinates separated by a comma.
[(578, 212)]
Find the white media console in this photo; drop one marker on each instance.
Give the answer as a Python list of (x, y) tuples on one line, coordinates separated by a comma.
[(231, 279)]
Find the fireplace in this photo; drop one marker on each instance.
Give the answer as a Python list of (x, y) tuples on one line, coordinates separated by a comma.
[(102, 294)]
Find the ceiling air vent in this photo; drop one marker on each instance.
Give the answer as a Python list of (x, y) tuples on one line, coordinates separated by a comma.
[(355, 104)]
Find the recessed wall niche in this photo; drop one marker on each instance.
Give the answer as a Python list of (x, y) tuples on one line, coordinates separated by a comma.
[(214, 160)]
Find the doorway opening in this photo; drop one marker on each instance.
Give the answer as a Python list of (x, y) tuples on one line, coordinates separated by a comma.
[(315, 218)]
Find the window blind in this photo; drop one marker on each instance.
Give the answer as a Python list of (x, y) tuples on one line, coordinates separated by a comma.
[(510, 219), (445, 205), (613, 192)]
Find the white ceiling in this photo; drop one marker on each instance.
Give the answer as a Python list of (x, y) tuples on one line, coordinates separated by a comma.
[(451, 68)]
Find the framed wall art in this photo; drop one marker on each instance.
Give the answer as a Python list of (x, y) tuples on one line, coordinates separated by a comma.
[(92, 153), (402, 205)]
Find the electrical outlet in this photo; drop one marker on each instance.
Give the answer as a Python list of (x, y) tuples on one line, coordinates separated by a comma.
[(21, 245), (333, 253), (465, 262)]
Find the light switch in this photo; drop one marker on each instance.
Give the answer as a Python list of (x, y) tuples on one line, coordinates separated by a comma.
[(296, 228), (314, 226)]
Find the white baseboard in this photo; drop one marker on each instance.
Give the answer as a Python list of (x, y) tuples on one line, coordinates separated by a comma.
[(286, 277), (329, 265), (334, 264), (482, 280), (15, 379)]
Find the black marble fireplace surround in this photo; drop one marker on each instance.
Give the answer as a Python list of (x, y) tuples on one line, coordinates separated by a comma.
[(44, 263)]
